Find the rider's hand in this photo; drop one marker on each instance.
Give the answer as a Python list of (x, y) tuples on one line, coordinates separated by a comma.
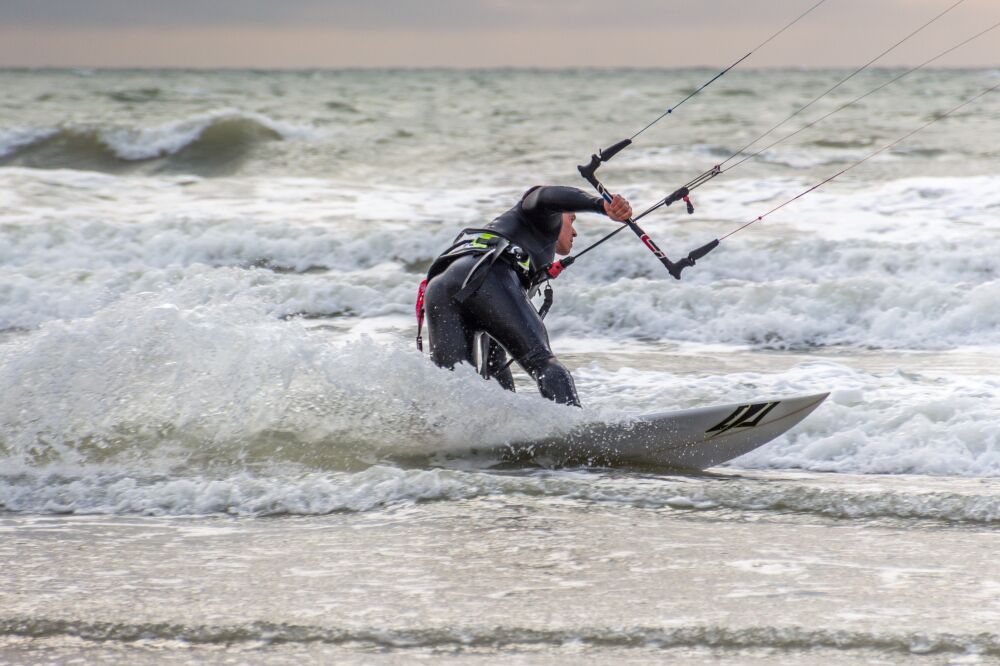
[(619, 209)]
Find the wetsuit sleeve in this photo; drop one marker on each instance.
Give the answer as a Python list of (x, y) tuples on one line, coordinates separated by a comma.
[(559, 199)]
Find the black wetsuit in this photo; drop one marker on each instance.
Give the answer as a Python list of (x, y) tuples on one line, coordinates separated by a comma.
[(500, 306)]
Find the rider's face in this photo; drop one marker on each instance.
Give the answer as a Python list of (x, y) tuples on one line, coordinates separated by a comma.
[(566, 234)]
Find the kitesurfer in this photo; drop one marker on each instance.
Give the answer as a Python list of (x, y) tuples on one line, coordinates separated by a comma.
[(484, 281)]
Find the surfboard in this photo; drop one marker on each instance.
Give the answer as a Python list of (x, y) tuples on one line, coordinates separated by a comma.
[(693, 439)]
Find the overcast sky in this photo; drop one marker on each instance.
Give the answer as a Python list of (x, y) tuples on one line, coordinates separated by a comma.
[(483, 33)]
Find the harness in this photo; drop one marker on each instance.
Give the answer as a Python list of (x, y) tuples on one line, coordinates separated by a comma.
[(493, 246)]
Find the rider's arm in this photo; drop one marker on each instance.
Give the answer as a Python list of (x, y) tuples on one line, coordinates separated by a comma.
[(558, 199), (543, 201)]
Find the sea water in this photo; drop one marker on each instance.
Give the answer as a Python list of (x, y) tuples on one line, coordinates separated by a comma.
[(218, 442)]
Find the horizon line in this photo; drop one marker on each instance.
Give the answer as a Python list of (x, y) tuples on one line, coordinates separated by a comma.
[(460, 68)]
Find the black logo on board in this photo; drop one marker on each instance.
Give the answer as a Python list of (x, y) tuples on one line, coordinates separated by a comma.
[(744, 416)]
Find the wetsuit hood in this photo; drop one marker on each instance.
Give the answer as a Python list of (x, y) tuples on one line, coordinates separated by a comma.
[(533, 223)]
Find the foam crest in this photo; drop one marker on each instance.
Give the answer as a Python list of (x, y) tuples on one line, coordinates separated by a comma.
[(13, 139), (861, 311), (168, 139), (154, 380), (27, 301), (872, 288), (788, 313)]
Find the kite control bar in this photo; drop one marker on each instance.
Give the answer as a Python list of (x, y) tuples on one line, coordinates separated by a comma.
[(589, 172)]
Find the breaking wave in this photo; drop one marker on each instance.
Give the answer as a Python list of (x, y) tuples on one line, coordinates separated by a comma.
[(210, 144), (151, 375), (167, 403), (328, 250), (93, 490), (790, 638)]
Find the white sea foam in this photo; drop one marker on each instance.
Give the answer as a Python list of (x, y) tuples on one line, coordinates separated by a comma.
[(14, 138), (873, 423), (907, 313), (152, 373), (70, 247), (90, 490), (788, 313), (160, 406)]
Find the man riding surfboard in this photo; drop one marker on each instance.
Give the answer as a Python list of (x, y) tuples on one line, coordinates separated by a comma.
[(483, 284)]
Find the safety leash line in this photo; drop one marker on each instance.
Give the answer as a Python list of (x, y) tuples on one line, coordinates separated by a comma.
[(723, 72), (881, 150), (718, 170), (842, 81), (861, 97), (675, 268)]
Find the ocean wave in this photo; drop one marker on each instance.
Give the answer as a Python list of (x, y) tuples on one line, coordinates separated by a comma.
[(859, 311), (310, 493), (880, 276), (135, 95), (161, 405), (28, 302), (789, 314), (13, 140), (792, 314), (209, 144), (789, 638), (98, 490), (148, 375), (843, 143)]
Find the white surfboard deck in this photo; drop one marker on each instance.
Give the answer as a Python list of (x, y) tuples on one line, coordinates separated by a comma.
[(690, 439)]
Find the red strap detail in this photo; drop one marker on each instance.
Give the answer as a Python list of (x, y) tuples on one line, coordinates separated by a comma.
[(555, 268), (690, 206), (420, 301), (420, 314)]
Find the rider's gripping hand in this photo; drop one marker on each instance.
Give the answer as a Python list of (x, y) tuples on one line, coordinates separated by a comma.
[(618, 209)]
